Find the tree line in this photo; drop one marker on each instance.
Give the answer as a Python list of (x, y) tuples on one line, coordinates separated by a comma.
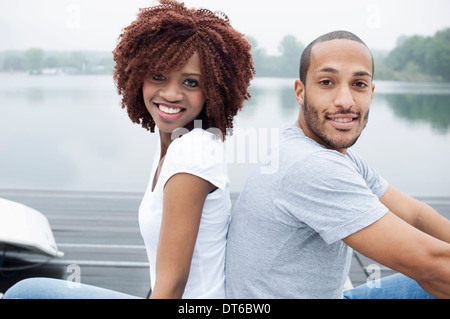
[(422, 55), (415, 58), (38, 61)]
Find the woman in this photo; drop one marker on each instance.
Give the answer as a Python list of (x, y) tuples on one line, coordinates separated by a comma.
[(185, 72), (189, 69)]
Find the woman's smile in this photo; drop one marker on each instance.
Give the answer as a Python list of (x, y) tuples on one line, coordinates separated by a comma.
[(168, 112)]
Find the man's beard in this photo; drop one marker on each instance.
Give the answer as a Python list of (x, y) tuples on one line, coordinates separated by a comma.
[(313, 122)]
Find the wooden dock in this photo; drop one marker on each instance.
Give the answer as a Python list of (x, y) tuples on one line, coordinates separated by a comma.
[(99, 233)]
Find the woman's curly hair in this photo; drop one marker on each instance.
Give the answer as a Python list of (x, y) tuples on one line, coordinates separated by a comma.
[(163, 38)]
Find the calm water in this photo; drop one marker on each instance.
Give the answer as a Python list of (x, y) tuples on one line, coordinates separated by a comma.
[(70, 133)]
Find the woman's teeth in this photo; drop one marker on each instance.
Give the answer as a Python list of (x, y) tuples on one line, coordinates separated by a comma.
[(169, 110)]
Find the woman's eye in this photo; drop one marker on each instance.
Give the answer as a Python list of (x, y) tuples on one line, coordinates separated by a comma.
[(191, 83), (159, 77)]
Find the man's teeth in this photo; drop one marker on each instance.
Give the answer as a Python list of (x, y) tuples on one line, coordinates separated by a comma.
[(343, 120), (169, 110)]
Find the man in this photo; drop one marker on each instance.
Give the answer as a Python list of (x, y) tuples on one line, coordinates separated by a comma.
[(292, 232)]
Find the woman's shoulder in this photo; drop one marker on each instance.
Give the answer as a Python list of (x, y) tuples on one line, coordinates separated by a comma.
[(201, 135), (195, 140), (199, 153), (197, 146)]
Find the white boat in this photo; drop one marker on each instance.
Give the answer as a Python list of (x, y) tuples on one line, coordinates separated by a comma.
[(26, 228)]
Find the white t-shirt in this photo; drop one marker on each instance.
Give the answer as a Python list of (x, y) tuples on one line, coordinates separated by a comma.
[(198, 153)]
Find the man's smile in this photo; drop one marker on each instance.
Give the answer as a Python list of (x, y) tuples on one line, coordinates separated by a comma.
[(342, 121)]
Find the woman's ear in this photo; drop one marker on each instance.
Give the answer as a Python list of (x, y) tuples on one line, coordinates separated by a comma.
[(299, 91)]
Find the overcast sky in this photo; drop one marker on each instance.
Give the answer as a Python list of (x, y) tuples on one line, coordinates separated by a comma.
[(96, 24)]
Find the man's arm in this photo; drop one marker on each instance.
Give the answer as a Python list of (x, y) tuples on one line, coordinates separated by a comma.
[(396, 244), (417, 214)]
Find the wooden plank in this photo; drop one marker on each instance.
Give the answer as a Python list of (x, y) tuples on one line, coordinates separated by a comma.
[(99, 232)]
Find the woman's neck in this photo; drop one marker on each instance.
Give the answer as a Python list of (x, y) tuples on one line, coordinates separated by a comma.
[(166, 139)]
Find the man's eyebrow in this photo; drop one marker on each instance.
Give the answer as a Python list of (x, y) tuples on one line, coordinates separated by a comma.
[(362, 73), (334, 71), (328, 70)]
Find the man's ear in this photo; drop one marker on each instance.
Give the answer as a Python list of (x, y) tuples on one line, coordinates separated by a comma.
[(299, 91), (373, 90)]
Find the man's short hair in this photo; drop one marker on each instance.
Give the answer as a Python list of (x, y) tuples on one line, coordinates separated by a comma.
[(334, 35)]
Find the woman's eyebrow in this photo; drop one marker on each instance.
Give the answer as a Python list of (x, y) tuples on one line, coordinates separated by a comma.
[(190, 74)]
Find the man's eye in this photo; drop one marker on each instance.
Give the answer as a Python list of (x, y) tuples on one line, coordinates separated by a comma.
[(326, 82), (360, 84)]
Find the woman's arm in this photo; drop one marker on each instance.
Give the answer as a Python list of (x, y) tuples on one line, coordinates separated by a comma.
[(184, 196)]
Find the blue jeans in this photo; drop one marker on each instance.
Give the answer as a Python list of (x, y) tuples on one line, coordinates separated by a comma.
[(49, 288), (396, 286)]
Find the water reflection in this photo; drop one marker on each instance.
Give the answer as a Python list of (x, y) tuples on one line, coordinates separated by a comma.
[(288, 99), (70, 133), (431, 109)]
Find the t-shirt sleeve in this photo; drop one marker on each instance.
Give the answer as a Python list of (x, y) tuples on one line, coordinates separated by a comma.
[(374, 181), (198, 153), (327, 192)]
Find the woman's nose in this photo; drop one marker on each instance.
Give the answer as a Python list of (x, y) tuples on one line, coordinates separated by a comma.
[(171, 92)]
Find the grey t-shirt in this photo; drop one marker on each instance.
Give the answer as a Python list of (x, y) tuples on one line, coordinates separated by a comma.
[(285, 234)]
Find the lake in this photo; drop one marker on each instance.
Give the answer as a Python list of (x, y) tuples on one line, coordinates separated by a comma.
[(70, 133)]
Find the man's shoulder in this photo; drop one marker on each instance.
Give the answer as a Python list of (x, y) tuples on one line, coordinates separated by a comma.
[(305, 156), (296, 145)]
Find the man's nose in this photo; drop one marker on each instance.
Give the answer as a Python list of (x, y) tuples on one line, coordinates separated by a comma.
[(344, 98)]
